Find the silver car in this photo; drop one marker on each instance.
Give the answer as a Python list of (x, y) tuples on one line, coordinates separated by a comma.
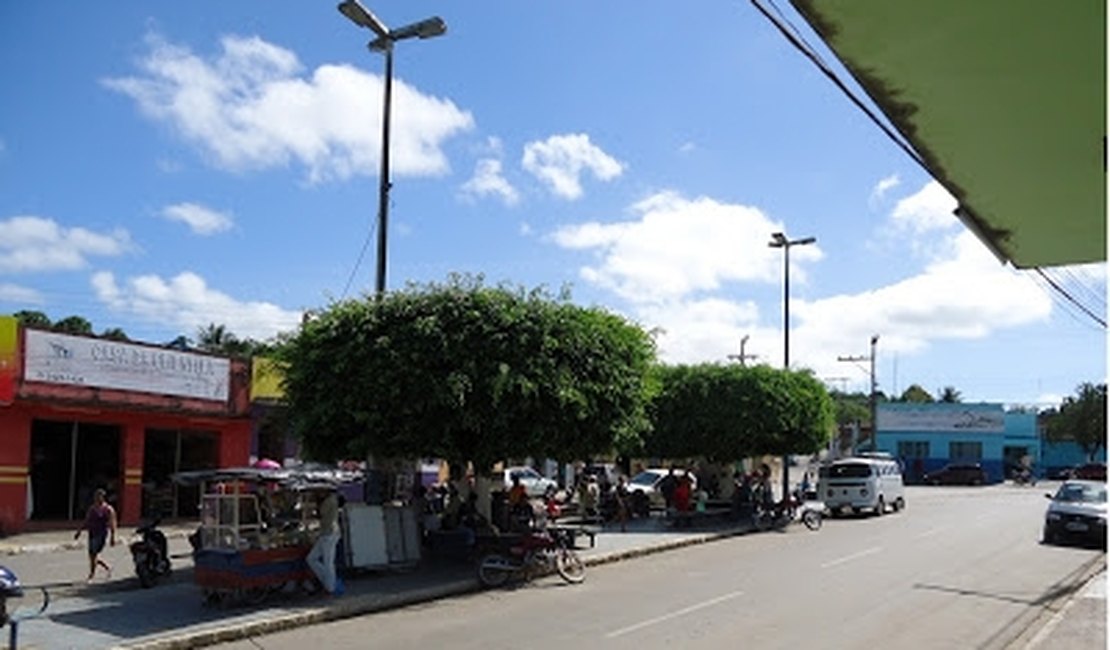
[(1077, 513)]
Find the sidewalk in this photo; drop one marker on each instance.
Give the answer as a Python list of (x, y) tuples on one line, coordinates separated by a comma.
[(117, 614)]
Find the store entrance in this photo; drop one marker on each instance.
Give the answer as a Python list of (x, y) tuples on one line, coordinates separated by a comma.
[(69, 460)]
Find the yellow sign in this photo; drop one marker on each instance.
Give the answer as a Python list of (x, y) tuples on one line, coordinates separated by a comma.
[(266, 379)]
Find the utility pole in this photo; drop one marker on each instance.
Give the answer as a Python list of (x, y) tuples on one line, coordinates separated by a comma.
[(873, 399), (743, 357)]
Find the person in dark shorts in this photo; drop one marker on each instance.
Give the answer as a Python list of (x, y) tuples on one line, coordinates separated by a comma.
[(100, 521)]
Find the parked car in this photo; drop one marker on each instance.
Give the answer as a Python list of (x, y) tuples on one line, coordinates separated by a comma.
[(957, 474), (1089, 472), (647, 483), (535, 484), (1077, 513), (607, 473)]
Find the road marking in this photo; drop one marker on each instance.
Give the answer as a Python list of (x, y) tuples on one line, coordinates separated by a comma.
[(853, 556), (930, 533), (676, 614)]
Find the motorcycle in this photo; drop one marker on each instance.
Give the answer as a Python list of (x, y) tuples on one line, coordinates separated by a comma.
[(1024, 477), (150, 553), (536, 553), (782, 513)]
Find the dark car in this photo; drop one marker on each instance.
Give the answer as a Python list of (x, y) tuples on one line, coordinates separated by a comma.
[(1077, 513), (958, 474), (1090, 472)]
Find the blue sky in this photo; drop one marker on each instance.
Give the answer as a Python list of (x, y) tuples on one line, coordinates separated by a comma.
[(168, 165)]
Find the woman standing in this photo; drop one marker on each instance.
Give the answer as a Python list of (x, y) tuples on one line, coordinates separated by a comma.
[(100, 521)]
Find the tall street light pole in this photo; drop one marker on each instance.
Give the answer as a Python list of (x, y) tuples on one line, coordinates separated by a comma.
[(427, 28), (779, 240)]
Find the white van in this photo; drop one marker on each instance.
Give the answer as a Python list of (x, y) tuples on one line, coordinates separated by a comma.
[(862, 484)]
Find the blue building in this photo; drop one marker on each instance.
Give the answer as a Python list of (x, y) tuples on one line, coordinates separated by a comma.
[(925, 437)]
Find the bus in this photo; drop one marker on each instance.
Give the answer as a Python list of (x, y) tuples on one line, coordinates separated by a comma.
[(862, 483)]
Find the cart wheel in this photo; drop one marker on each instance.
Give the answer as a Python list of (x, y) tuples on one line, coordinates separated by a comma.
[(254, 595)]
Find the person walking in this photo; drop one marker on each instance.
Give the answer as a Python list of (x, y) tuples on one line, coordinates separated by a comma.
[(321, 559), (100, 522)]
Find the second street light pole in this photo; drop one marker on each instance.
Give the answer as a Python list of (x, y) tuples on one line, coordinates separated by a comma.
[(427, 28), (779, 240), (873, 398)]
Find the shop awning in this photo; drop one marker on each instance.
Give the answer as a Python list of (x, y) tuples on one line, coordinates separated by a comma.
[(1004, 100)]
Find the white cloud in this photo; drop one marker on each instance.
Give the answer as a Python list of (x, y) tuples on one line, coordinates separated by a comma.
[(20, 295), (882, 187), (929, 209), (673, 262), (251, 107), (679, 246), (489, 181), (30, 243), (201, 220), (186, 302), (693, 331), (687, 147), (560, 161)]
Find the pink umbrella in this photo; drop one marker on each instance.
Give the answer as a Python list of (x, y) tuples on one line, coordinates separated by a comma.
[(266, 463)]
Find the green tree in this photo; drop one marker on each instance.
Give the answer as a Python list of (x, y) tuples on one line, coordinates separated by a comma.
[(915, 393), (33, 319), (218, 339), (727, 412), (114, 334), (949, 395), (1082, 419), (466, 372), (851, 407), (73, 325)]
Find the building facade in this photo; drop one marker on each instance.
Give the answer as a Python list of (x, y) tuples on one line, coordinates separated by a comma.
[(925, 437), (79, 413)]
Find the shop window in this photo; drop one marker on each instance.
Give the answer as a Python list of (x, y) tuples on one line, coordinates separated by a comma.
[(167, 451), (913, 448), (965, 451)]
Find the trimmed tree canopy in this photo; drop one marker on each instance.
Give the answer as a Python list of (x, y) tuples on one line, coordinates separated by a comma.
[(465, 372), (725, 413)]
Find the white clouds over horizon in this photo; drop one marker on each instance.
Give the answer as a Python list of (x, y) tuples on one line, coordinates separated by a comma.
[(200, 219), (187, 302), (20, 295), (252, 107), (679, 246), (34, 244), (683, 266), (560, 161)]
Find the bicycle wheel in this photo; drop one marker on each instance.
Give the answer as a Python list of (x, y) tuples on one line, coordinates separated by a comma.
[(812, 519), (570, 566)]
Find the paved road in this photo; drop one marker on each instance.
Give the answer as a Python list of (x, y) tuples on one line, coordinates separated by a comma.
[(961, 568)]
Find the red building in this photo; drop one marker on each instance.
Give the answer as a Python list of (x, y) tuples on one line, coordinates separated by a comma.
[(79, 413)]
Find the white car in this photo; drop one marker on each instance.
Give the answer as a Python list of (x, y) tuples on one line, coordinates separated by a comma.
[(535, 484), (647, 482)]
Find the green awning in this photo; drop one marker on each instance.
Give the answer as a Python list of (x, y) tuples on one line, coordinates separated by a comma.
[(1005, 100)]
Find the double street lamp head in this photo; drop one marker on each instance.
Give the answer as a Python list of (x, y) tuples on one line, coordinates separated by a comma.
[(363, 17), (779, 240)]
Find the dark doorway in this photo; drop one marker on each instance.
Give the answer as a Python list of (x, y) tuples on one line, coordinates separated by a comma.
[(166, 451), (69, 460)]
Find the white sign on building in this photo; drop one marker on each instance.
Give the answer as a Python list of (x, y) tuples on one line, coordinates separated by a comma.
[(969, 418), (79, 361)]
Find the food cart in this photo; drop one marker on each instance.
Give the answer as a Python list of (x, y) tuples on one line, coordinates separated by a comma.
[(257, 527)]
